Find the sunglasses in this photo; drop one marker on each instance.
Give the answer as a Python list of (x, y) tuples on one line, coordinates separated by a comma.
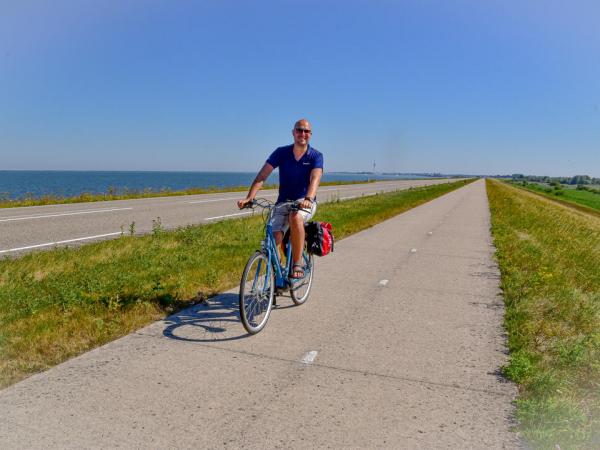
[(303, 130)]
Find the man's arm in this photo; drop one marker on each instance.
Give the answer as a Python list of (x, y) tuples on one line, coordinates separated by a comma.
[(315, 179), (262, 175)]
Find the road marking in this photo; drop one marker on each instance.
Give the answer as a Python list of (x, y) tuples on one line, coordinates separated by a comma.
[(72, 213), (229, 215), (59, 242), (224, 199), (269, 195), (309, 357), (356, 196), (212, 200), (275, 195), (383, 282)]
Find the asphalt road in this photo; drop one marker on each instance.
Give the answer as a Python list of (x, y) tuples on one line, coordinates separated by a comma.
[(42, 227), (398, 347)]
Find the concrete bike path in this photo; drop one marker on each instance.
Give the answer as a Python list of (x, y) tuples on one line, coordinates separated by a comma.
[(399, 346)]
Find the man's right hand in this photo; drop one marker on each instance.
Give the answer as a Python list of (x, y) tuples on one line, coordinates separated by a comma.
[(242, 203)]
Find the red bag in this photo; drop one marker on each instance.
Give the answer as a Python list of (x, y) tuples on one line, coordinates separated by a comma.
[(319, 238)]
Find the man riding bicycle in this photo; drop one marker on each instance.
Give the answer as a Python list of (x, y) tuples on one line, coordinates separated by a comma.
[(300, 171)]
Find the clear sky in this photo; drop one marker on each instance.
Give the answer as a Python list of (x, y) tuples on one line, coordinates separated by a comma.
[(416, 86)]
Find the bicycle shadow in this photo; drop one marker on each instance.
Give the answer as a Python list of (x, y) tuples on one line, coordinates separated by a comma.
[(216, 319)]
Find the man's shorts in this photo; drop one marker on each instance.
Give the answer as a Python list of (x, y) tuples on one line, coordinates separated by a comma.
[(280, 220)]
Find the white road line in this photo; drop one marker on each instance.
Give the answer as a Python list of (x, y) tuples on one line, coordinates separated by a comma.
[(224, 199), (72, 213), (357, 196), (228, 215), (268, 195), (59, 242), (212, 200), (309, 357), (329, 189), (359, 187), (275, 195)]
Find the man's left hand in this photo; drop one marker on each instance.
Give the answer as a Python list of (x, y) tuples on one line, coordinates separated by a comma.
[(306, 204)]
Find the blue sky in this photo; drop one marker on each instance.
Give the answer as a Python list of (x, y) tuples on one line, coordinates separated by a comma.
[(415, 86)]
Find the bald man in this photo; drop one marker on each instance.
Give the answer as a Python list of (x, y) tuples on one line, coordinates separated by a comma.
[(300, 171)]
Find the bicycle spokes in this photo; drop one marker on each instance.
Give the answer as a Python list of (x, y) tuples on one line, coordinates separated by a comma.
[(256, 293)]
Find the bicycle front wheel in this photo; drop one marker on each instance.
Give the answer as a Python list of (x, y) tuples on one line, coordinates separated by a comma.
[(256, 293), (301, 288)]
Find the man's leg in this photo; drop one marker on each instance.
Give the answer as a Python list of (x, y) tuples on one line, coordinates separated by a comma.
[(297, 238), (279, 224), (279, 244), (278, 237)]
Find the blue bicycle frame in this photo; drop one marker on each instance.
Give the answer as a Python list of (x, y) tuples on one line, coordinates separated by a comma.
[(265, 277), (270, 248)]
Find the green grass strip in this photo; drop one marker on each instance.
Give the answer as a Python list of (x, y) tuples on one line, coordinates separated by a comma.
[(549, 257), (585, 200), (59, 303)]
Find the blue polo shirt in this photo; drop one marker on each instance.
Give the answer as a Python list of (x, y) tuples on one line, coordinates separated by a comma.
[(294, 176)]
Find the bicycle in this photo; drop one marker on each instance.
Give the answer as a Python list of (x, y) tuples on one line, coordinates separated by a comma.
[(265, 275)]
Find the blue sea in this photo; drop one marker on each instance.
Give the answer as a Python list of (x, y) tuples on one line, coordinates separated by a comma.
[(15, 184)]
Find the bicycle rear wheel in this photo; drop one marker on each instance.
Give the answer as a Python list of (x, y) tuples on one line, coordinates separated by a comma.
[(301, 289), (256, 293)]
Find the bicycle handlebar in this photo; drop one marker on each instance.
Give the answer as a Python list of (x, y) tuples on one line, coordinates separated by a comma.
[(264, 203)]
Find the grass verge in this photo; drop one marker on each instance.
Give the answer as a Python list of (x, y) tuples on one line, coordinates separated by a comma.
[(59, 303), (585, 200), (113, 194), (549, 257)]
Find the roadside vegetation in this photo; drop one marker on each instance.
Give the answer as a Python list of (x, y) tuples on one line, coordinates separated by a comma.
[(549, 257), (59, 303), (588, 196), (115, 194)]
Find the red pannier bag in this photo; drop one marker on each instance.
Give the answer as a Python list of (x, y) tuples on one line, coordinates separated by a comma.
[(319, 238)]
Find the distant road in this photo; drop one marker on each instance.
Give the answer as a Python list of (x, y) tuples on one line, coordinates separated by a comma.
[(43, 227)]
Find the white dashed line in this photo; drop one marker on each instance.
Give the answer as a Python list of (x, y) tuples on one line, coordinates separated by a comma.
[(59, 242), (309, 357), (73, 213)]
